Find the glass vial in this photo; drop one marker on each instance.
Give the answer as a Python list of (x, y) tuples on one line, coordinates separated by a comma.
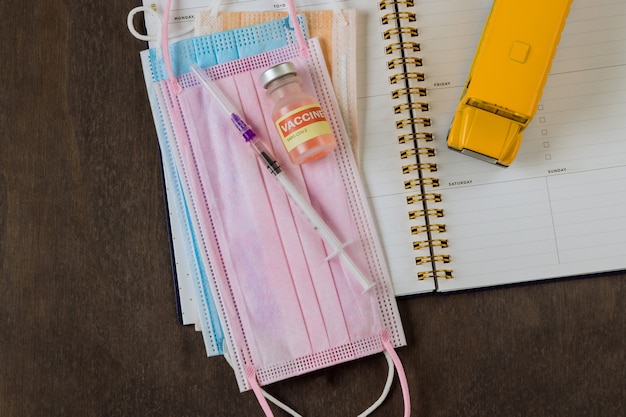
[(297, 115)]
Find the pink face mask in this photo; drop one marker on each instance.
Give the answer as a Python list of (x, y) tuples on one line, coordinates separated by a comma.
[(285, 309)]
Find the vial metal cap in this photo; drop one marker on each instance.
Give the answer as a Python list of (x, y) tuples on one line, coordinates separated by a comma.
[(276, 72)]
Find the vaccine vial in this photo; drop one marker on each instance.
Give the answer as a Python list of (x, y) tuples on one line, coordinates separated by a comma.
[(298, 117)]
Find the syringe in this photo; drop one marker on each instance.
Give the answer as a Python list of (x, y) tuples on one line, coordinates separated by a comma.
[(272, 165)]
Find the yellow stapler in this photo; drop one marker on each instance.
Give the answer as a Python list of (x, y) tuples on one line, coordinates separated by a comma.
[(506, 78)]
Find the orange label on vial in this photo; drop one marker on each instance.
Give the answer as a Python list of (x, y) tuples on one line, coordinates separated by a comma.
[(301, 125)]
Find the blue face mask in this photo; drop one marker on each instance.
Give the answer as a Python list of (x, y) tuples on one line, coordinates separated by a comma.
[(206, 51), (221, 47)]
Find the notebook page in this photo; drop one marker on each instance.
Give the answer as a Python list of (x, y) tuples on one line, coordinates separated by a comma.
[(559, 209)]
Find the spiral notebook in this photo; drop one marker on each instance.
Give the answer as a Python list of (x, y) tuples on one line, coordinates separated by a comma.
[(450, 222)]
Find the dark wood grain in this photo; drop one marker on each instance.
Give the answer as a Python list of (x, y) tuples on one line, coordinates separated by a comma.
[(88, 322)]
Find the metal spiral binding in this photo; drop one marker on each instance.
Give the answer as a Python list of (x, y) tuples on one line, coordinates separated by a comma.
[(406, 60), (383, 4), (423, 244), (415, 105), (420, 260), (407, 78), (437, 273), (415, 230), (421, 182), (396, 31), (412, 121), (396, 16), (425, 136), (406, 169), (407, 91), (431, 212), (418, 198), (418, 151)]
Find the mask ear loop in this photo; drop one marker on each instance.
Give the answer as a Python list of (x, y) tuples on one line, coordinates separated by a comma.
[(265, 394), (339, 12), (404, 384), (258, 392), (145, 37), (386, 389), (210, 21), (166, 49), (214, 8), (293, 16), (393, 361)]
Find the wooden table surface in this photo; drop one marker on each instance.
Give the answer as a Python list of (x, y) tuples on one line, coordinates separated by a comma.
[(88, 323)]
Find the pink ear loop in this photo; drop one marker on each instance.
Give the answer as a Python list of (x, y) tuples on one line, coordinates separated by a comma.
[(166, 49), (304, 48), (256, 388), (404, 384)]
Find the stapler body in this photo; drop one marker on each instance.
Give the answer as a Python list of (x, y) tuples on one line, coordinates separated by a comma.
[(506, 79)]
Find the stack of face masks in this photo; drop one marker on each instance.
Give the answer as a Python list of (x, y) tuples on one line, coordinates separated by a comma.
[(336, 31), (268, 296)]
